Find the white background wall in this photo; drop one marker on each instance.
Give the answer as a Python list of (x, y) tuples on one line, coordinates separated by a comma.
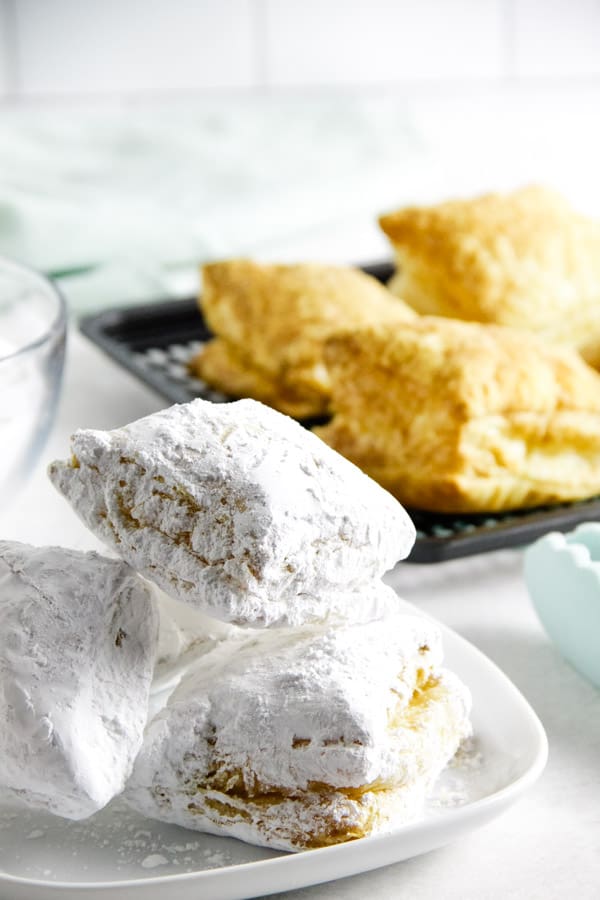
[(83, 47)]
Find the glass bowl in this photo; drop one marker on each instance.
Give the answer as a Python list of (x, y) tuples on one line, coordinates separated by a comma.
[(33, 326)]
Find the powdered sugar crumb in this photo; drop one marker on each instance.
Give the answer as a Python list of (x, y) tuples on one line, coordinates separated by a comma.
[(462, 781), (115, 839), (468, 756), (155, 859)]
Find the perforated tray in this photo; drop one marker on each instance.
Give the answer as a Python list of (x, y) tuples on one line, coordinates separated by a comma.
[(156, 342)]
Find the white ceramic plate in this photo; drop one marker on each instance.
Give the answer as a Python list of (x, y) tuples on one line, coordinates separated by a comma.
[(122, 854)]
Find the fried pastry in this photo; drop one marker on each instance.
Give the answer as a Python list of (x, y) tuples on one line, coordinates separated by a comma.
[(271, 322), (455, 416), (218, 364), (304, 738), (239, 511), (78, 636), (523, 259)]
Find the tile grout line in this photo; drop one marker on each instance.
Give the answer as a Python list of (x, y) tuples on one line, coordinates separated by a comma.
[(260, 39)]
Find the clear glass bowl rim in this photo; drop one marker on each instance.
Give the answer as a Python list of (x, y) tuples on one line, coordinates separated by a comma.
[(57, 325)]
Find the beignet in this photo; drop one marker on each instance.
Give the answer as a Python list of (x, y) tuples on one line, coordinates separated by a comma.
[(78, 636), (271, 322), (455, 416), (304, 738), (239, 511), (523, 259), (219, 365)]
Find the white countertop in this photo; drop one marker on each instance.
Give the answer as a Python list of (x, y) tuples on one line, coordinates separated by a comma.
[(548, 845)]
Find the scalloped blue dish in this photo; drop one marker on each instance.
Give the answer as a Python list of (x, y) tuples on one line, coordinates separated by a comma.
[(562, 572)]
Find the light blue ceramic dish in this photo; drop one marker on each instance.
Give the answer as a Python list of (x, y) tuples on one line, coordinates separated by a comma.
[(562, 572)]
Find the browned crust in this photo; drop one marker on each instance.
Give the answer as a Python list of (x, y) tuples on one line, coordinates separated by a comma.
[(453, 416), (523, 259), (219, 366), (274, 320)]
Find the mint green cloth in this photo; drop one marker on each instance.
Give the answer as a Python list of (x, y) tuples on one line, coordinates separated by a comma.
[(134, 195)]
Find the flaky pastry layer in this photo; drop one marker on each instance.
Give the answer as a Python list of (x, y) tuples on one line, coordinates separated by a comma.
[(271, 322), (221, 367), (304, 738), (523, 259), (453, 416)]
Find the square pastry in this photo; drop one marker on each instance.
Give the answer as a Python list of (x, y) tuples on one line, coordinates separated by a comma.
[(271, 322), (523, 259), (298, 738), (239, 511), (454, 416), (78, 636)]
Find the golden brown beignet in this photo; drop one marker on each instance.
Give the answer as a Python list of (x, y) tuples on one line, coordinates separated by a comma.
[(271, 322), (220, 366), (455, 416), (523, 259)]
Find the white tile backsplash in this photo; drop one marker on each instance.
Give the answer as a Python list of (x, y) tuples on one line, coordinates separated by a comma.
[(557, 37), (146, 46), (83, 46), (6, 48), (338, 42)]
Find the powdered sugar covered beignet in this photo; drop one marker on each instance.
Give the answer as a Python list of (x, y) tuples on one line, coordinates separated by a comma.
[(303, 737), (237, 510), (186, 634), (77, 644)]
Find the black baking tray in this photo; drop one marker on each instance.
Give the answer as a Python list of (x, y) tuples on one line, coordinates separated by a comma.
[(156, 341)]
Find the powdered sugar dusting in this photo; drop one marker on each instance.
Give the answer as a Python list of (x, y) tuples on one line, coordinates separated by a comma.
[(117, 841), (154, 860), (78, 636), (464, 780), (274, 712), (239, 511)]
